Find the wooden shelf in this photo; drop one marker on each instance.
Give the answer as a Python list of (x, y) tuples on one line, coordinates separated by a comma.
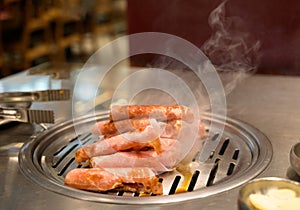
[(57, 29), (38, 51), (69, 40)]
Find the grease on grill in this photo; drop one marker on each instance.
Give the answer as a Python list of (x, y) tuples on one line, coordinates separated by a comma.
[(186, 171), (186, 179)]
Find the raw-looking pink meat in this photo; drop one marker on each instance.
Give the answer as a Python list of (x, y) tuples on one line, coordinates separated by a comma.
[(141, 180), (137, 140), (113, 145), (166, 161)]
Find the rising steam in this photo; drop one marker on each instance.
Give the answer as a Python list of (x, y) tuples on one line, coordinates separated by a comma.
[(231, 49)]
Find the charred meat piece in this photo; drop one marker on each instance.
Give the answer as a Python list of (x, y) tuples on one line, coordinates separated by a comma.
[(140, 180), (161, 113)]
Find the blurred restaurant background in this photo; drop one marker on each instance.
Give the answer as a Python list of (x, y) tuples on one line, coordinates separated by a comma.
[(38, 31)]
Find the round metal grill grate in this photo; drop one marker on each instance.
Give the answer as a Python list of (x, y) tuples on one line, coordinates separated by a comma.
[(242, 153)]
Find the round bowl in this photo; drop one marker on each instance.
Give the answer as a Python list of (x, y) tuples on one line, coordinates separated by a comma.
[(295, 158), (263, 186)]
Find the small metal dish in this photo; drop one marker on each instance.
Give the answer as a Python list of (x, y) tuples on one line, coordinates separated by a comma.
[(295, 158), (262, 186)]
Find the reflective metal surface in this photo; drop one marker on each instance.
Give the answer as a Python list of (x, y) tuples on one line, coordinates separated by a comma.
[(242, 154), (295, 158), (269, 103), (263, 186)]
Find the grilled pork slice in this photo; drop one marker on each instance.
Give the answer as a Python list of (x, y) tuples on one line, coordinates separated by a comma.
[(148, 138), (130, 159), (166, 161), (107, 128), (141, 180), (171, 129), (113, 145), (161, 113)]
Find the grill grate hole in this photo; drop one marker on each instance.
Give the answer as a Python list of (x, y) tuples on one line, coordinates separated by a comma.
[(120, 193), (212, 154), (59, 151), (74, 139), (236, 154), (213, 173), (84, 139), (230, 169), (65, 167), (67, 149), (224, 147), (215, 137), (174, 185), (64, 155), (193, 181)]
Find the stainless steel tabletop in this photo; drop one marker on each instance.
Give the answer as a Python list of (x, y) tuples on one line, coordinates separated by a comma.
[(269, 103)]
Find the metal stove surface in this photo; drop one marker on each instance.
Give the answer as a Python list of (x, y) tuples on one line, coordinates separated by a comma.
[(242, 153), (269, 103)]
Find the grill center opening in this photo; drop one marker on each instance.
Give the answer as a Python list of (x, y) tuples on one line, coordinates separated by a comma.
[(242, 153)]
